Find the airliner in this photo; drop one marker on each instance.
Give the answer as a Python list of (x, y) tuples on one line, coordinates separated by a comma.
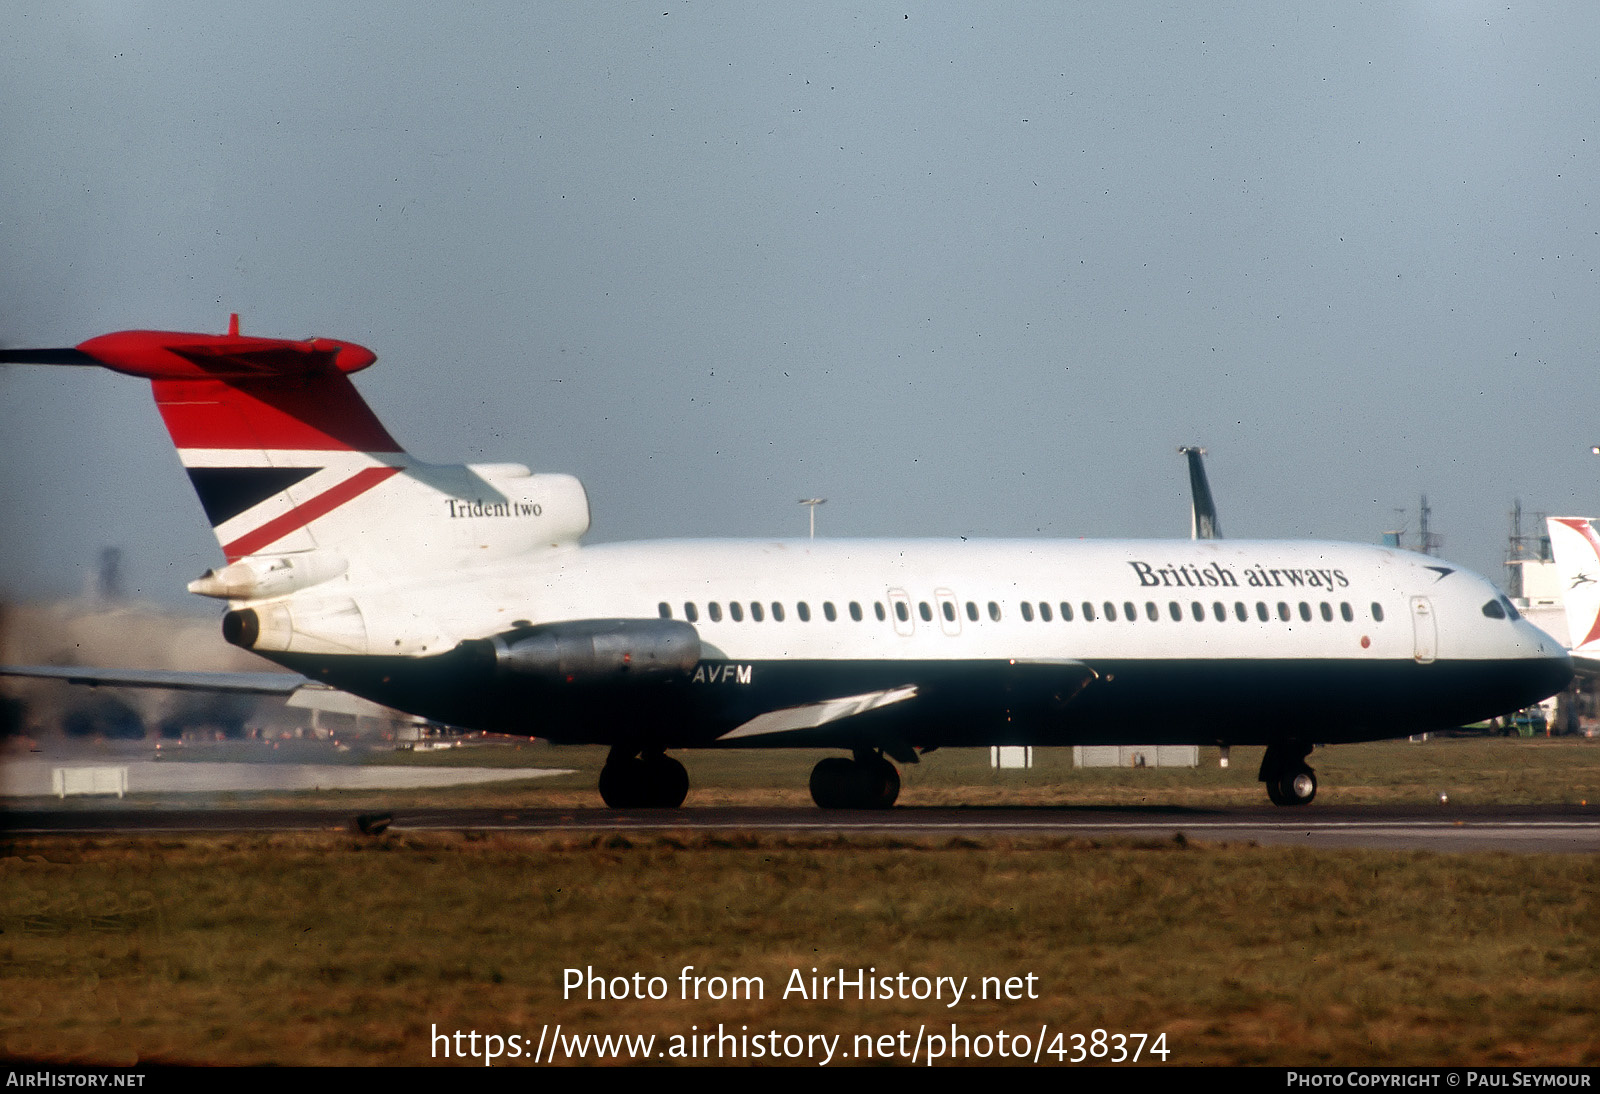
[(461, 593)]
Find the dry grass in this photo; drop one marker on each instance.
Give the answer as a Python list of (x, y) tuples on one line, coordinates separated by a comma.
[(328, 949)]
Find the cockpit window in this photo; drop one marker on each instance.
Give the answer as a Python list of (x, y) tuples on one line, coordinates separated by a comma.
[(1511, 609), (1494, 610)]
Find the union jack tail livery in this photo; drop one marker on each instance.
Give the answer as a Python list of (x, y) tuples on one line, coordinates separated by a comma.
[(303, 485)]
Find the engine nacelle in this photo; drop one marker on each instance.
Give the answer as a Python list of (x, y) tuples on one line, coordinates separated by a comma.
[(324, 625), (267, 576), (588, 651)]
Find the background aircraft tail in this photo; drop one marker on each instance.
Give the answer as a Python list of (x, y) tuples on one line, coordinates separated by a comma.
[(1203, 523), (301, 482), (1576, 546)]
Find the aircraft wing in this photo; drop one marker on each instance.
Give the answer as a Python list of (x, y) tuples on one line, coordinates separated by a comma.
[(1062, 679), (812, 715), (1586, 665), (249, 683), (301, 692)]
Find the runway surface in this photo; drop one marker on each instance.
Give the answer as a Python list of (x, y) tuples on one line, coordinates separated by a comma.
[(1562, 829), (35, 778)]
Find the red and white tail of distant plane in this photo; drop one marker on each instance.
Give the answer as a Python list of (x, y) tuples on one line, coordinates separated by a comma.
[(1576, 546), (461, 593)]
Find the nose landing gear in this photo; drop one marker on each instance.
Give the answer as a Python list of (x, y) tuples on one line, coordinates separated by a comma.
[(1289, 780)]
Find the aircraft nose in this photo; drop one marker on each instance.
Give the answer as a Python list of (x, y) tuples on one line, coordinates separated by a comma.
[(1549, 667), (1559, 673)]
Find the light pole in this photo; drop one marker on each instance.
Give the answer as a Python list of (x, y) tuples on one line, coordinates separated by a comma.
[(813, 503)]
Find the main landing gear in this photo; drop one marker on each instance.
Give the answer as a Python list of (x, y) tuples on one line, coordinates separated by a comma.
[(1289, 780), (867, 781), (651, 781)]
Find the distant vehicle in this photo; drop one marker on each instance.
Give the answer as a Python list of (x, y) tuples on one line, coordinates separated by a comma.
[(460, 593), (1528, 723)]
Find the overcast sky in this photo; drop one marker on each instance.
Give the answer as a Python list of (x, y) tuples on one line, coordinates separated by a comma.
[(960, 270)]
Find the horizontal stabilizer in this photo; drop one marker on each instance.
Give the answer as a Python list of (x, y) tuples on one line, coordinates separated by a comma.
[(249, 683), (66, 356), (171, 355), (180, 355), (812, 715)]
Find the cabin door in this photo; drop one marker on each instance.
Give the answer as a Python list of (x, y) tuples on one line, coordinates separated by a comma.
[(1425, 631)]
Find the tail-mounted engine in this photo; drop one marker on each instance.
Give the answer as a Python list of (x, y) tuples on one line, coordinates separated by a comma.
[(593, 651)]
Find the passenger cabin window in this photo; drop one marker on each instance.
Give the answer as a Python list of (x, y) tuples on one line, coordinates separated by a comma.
[(925, 611), (1027, 612), (1111, 611), (828, 613), (1151, 612), (1240, 612), (855, 611), (1283, 611), (901, 612), (1044, 611), (755, 611), (664, 610), (1219, 611), (777, 612), (994, 611), (1346, 612), (877, 609), (735, 612), (949, 610), (1327, 612), (1127, 611), (1198, 610), (803, 610), (1088, 612), (1261, 611), (1305, 611), (972, 611), (1175, 610), (690, 612), (1377, 612), (1066, 612)]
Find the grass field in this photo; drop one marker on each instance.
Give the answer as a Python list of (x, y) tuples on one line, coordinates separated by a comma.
[(329, 949), (334, 949)]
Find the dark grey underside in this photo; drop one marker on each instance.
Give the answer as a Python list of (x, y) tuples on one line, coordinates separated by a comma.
[(961, 703)]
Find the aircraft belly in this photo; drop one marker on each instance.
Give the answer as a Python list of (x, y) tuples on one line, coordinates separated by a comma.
[(957, 703)]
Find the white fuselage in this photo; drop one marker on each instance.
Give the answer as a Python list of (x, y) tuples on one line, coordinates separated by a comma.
[(1011, 641), (1217, 599)]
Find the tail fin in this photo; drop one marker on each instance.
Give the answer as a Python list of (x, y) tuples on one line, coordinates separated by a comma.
[(1577, 552), (272, 433), (1203, 523), (300, 480)]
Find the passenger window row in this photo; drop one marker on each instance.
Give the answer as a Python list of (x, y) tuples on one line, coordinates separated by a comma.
[(1043, 611)]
